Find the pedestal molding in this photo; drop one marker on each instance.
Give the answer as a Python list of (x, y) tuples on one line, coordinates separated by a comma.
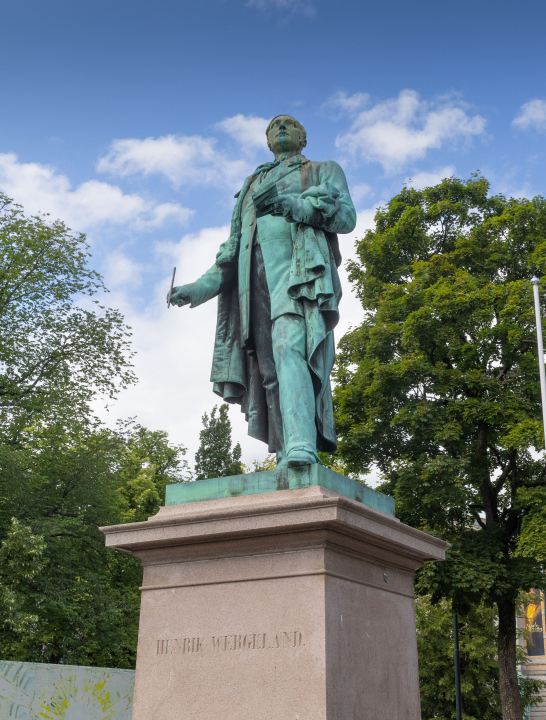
[(294, 511), (328, 573)]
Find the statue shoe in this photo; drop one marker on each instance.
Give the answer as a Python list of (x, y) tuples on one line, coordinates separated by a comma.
[(298, 456)]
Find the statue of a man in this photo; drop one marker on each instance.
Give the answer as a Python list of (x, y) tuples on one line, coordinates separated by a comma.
[(278, 292)]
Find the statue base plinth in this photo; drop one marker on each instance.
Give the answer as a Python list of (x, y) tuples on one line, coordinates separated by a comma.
[(294, 604)]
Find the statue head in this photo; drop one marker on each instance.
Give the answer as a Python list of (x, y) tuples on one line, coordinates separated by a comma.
[(285, 135)]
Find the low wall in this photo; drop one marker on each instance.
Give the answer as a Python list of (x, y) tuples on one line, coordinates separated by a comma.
[(37, 691)]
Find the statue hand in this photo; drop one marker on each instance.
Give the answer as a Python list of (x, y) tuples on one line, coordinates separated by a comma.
[(180, 295), (284, 206)]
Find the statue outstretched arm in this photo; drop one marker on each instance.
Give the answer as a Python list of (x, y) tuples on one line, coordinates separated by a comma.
[(208, 286), (326, 206)]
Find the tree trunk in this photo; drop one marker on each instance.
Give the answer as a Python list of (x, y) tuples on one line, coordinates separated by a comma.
[(508, 674)]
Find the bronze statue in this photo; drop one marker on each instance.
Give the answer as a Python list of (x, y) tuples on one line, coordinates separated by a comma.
[(278, 293)]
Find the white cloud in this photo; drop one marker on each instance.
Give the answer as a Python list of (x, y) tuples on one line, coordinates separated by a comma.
[(120, 270), (303, 7), (360, 191), (247, 130), (405, 128), (348, 103), (182, 159), (194, 254), (193, 159), (179, 158), (350, 309), (427, 179), (41, 189), (165, 213), (532, 115)]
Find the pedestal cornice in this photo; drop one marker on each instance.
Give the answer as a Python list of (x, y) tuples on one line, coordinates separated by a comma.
[(317, 513)]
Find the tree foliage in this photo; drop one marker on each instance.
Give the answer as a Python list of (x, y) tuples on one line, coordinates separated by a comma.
[(59, 346), (439, 387), (215, 456), (531, 690), (268, 463), (478, 661), (20, 561), (532, 540), (148, 464), (63, 595)]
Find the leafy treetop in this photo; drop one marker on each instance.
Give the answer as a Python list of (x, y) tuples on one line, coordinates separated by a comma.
[(215, 457), (59, 346), (439, 386)]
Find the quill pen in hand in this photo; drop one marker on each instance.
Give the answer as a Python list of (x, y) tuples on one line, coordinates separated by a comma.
[(172, 288)]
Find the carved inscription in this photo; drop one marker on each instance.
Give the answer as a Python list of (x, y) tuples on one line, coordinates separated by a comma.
[(257, 641), (176, 645), (230, 643)]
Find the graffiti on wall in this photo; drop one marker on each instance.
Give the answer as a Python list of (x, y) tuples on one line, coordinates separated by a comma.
[(36, 691)]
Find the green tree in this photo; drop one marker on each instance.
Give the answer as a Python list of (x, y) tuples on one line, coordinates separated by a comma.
[(63, 483), (59, 346), (149, 462), (531, 691), (20, 561), (215, 457), (532, 539), (268, 463), (478, 661), (439, 387), (63, 596)]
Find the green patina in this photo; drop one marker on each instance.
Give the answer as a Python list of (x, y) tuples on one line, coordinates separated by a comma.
[(277, 282), (280, 479)]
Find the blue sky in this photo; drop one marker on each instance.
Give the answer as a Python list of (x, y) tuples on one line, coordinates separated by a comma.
[(136, 122)]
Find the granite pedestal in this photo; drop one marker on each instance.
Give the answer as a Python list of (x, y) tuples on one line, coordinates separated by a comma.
[(276, 604)]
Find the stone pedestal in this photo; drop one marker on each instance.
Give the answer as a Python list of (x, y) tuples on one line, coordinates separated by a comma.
[(293, 604)]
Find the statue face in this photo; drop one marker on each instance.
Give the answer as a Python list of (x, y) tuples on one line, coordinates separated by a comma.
[(284, 135)]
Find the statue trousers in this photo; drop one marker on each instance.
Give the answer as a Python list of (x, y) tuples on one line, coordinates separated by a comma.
[(280, 351)]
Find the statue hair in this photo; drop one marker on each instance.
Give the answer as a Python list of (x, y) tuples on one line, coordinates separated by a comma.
[(303, 133)]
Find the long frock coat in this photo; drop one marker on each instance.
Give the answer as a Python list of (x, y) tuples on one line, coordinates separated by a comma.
[(313, 281)]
